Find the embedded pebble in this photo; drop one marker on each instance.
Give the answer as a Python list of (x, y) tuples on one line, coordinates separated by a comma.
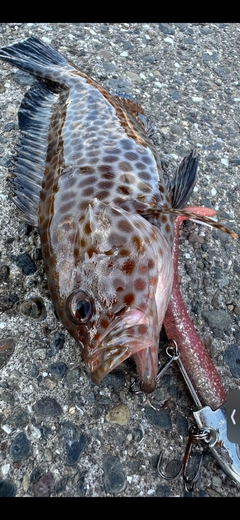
[(44, 486), (25, 262), (58, 369), (7, 347), (47, 407), (231, 356), (217, 319), (19, 418), (119, 415), (162, 491), (7, 488), (56, 344), (4, 272), (114, 477), (75, 442), (20, 448), (159, 419), (165, 28)]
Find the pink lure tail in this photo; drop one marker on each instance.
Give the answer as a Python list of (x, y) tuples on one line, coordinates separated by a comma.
[(179, 327)]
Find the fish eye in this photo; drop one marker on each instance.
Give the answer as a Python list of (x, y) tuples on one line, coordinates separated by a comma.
[(79, 307)]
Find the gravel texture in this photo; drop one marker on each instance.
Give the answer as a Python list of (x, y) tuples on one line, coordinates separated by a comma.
[(58, 433)]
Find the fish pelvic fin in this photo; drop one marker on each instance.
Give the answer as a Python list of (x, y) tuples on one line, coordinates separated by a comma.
[(184, 179)]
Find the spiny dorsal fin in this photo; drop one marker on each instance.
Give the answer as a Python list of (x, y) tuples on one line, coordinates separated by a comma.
[(131, 106), (184, 179)]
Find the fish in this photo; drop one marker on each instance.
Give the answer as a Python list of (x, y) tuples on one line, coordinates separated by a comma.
[(88, 176)]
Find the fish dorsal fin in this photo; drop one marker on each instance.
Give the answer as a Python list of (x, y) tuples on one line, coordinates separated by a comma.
[(129, 103), (132, 107), (35, 115), (184, 180)]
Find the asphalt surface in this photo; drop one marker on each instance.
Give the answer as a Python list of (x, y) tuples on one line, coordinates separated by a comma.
[(61, 435)]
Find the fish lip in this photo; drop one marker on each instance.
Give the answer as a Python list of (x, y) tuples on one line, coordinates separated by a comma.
[(118, 343)]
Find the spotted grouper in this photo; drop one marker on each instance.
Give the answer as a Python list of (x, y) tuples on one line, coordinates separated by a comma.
[(88, 176)]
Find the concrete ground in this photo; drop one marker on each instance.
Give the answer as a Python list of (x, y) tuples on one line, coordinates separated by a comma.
[(61, 435)]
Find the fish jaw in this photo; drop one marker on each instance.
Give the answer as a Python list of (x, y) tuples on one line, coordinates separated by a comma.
[(127, 334)]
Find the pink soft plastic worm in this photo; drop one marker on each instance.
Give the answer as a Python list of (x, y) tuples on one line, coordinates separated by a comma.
[(179, 327)]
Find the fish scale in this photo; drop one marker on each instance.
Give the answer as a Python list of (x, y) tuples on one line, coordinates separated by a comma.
[(88, 176)]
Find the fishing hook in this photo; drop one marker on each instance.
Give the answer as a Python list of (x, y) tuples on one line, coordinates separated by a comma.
[(195, 434)]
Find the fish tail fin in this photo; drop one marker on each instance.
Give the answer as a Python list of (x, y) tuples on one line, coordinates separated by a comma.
[(36, 57), (184, 180)]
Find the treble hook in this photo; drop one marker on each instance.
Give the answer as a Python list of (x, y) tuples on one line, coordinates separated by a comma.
[(195, 434)]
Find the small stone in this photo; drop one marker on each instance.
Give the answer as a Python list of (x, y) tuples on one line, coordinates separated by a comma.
[(214, 56), (217, 482), (7, 347), (194, 238), (19, 418), (165, 28), (134, 77), (159, 419), (58, 369), (20, 448), (39, 353), (5, 469), (114, 478), (231, 356), (7, 488), (182, 425), (50, 383), (217, 319), (56, 344), (72, 376), (162, 491), (6, 428), (175, 94), (4, 272), (61, 485), (8, 302), (48, 455), (48, 407), (25, 263), (74, 442), (137, 434), (25, 483), (35, 475), (119, 415), (44, 485)]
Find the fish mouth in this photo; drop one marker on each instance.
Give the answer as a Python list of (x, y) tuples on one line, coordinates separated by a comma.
[(125, 336)]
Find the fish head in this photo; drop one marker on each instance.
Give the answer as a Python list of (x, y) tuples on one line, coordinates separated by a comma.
[(121, 287)]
